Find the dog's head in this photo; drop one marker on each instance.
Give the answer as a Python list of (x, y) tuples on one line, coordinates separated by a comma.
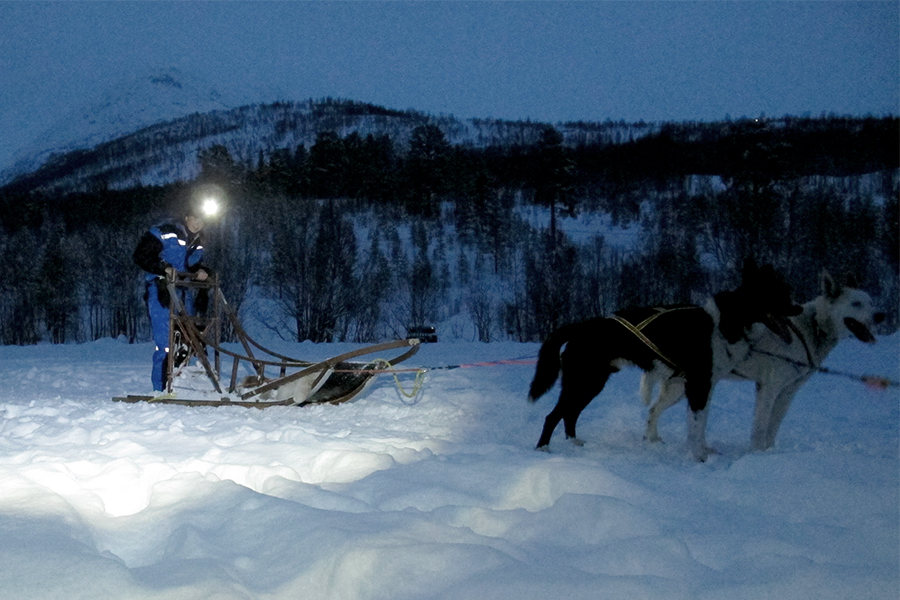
[(850, 309), (763, 297)]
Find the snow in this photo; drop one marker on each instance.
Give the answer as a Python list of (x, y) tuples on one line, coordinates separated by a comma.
[(441, 495), (586, 227)]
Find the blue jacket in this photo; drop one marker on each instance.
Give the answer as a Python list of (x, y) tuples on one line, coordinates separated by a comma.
[(168, 245)]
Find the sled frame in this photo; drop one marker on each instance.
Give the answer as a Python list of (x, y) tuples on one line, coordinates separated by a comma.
[(334, 380)]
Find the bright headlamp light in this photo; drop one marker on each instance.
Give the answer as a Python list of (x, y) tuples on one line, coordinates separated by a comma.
[(207, 201), (210, 207)]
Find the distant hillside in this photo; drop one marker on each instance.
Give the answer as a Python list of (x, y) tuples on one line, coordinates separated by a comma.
[(348, 221), (167, 152), (785, 148)]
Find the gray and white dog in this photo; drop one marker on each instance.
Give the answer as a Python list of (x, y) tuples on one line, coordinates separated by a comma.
[(778, 367)]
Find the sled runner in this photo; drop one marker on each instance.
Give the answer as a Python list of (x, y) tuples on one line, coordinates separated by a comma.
[(297, 382)]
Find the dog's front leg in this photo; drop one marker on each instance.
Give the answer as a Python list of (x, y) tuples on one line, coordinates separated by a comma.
[(697, 433), (762, 418), (779, 409), (698, 389)]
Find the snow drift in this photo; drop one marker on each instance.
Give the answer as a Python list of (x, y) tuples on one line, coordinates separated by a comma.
[(440, 496)]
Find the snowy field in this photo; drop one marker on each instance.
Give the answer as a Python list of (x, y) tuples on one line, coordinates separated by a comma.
[(441, 496)]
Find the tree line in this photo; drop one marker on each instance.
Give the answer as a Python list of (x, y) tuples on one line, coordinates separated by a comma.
[(356, 238)]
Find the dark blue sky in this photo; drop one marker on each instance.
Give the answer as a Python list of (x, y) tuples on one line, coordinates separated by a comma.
[(547, 61)]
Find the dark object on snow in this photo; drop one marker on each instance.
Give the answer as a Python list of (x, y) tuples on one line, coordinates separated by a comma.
[(426, 335)]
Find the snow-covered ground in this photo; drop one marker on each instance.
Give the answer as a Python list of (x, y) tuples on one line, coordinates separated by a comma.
[(440, 496)]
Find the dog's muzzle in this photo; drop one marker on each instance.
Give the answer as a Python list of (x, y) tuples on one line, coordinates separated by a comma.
[(860, 330)]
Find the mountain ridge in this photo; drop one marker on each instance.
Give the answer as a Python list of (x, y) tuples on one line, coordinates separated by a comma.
[(165, 151), (150, 131)]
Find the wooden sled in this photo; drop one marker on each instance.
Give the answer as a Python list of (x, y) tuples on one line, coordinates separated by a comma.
[(298, 383)]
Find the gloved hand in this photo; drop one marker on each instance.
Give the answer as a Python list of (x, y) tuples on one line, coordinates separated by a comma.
[(162, 291)]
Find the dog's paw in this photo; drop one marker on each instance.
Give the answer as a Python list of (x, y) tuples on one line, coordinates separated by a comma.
[(704, 454), (576, 441), (544, 448), (701, 454), (760, 448), (653, 439)]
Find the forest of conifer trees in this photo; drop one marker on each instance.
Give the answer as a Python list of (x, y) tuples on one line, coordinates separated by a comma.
[(356, 238)]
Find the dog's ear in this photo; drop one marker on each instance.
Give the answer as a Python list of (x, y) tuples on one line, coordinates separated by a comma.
[(769, 277), (768, 273), (850, 281), (732, 313), (749, 270), (829, 287)]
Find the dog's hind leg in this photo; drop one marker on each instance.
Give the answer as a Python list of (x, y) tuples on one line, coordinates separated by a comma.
[(577, 392), (588, 385), (550, 424), (698, 388), (670, 392), (575, 406), (567, 410), (649, 379)]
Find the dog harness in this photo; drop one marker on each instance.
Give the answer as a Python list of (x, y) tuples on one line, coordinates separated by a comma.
[(810, 364), (637, 330)]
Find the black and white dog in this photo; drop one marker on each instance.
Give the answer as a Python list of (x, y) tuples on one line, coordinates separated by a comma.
[(679, 339), (778, 366)]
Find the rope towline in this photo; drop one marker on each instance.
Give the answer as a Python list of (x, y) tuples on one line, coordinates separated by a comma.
[(494, 363), (876, 381), (420, 372)]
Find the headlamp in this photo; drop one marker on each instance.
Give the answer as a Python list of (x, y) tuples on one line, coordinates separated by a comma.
[(209, 207), (207, 201)]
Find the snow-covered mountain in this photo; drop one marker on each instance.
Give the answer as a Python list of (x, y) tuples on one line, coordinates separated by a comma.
[(125, 107), (167, 151), (148, 130)]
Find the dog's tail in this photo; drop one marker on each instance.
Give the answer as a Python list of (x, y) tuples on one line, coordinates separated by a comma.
[(548, 363)]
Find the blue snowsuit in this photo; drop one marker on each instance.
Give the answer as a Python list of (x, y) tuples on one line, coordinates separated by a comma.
[(167, 245)]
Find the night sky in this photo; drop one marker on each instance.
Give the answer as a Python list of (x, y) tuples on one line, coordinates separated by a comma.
[(547, 61)]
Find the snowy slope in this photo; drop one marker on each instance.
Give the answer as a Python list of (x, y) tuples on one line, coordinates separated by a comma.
[(154, 141), (441, 496), (122, 108)]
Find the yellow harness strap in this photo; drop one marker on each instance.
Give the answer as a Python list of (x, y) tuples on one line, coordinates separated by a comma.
[(637, 330)]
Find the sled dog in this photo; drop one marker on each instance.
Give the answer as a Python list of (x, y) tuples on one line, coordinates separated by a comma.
[(778, 366), (676, 338)]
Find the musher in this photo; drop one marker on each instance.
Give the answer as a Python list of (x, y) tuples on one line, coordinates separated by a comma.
[(163, 251)]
